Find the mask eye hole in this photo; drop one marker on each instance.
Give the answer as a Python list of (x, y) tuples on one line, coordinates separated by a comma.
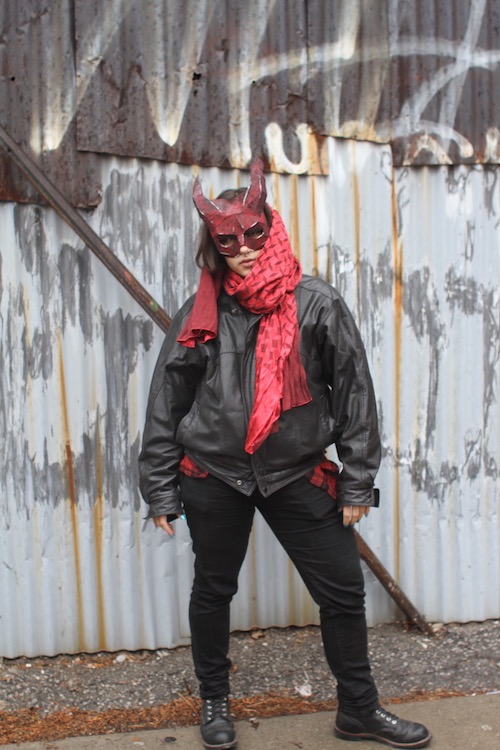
[(255, 233), (226, 240)]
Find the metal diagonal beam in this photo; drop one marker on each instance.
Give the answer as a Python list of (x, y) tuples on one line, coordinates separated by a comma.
[(72, 217), (391, 586)]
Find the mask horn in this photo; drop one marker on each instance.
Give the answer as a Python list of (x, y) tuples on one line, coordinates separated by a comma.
[(255, 197), (205, 208)]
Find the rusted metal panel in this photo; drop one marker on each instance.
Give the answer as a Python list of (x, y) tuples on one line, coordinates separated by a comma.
[(195, 83), (216, 82), (420, 76), (38, 100), (215, 85), (416, 253)]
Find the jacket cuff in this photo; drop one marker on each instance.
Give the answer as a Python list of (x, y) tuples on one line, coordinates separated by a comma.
[(370, 497), (168, 505)]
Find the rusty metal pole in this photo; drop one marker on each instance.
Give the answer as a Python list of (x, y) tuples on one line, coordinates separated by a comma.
[(391, 586), (72, 217)]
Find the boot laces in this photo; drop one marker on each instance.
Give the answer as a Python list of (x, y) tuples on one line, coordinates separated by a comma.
[(217, 707), (387, 716)]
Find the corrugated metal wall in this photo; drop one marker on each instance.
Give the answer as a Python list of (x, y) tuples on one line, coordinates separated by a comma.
[(415, 251)]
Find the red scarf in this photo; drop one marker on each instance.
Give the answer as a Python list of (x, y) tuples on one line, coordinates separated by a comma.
[(280, 379)]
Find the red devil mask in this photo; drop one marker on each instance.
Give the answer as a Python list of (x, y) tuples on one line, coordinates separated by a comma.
[(239, 222)]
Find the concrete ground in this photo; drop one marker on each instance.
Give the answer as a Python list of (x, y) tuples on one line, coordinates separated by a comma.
[(464, 723)]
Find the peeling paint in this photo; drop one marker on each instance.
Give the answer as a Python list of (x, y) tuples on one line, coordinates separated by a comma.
[(75, 273), (462, 293), (121, 338), (491, 351), (421, 305), (471, 299)]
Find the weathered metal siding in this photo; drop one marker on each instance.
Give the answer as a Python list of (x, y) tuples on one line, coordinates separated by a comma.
[(416, 254), (214, 82), (420, 75), (39, 97), (426, 265)]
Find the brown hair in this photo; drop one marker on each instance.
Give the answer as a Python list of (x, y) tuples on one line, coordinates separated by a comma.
[(207, 255)]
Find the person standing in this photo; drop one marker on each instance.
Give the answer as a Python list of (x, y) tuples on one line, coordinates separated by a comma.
[(259, 373)]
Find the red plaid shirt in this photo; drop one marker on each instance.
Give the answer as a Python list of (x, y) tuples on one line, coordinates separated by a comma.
[(324, 475), (190, 469)]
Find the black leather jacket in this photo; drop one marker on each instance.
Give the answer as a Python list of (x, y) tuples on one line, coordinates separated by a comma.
[(201, 398)]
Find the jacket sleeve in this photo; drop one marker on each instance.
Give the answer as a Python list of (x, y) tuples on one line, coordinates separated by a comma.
[(353, 406), (172, 393)]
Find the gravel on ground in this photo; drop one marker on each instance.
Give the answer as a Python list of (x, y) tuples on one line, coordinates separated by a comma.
[(275, 671)]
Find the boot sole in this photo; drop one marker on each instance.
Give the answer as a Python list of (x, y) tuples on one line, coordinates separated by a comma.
[(367, 736)]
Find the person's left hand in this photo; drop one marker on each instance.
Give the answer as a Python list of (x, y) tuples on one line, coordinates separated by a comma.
[(354, 513)]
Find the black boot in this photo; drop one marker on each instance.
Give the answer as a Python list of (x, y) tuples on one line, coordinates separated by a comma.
[(381, 726), (217, 729)]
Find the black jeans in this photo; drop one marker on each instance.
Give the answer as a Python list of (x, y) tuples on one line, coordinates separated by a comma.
[(308, 524)]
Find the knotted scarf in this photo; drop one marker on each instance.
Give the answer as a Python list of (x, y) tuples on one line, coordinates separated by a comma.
[(268, 290)]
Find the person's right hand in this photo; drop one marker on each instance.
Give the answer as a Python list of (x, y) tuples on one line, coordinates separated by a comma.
[(161, 523), (354, 513)]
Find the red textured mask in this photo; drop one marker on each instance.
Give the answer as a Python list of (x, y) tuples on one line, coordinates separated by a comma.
[(238, 222)]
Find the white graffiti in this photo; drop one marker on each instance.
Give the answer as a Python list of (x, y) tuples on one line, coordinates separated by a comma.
[(177, 38)]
